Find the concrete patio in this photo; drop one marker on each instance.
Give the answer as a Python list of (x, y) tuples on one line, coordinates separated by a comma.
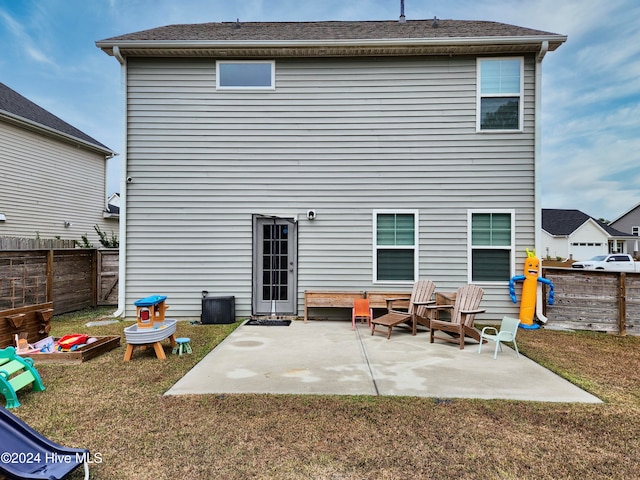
[(327, 357)]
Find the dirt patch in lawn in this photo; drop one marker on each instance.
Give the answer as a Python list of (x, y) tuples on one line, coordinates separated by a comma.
[(117, 410)]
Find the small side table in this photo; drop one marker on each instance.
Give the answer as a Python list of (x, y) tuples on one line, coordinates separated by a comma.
[(182, 345), (157, 348)]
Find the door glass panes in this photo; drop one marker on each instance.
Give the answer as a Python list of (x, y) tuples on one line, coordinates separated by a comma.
[(275, 262)]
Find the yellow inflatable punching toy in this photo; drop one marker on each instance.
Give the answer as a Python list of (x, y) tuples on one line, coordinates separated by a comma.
[(529, 290)]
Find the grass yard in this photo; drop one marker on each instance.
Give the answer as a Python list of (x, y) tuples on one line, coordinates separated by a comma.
[(118, 412)]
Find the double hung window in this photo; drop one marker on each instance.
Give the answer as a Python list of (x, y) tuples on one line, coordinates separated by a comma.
[(395, 246), (491, 245), (500, 94)]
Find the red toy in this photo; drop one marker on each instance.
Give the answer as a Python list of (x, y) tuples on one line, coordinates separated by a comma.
[(68, 342)]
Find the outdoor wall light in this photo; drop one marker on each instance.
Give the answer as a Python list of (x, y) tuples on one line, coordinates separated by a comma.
[(3, 217), (67, 224), (311, 215)]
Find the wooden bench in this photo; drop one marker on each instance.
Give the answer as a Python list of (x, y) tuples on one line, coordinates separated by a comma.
[(335, 299), (15, 374), (379, 299), (326, 299)]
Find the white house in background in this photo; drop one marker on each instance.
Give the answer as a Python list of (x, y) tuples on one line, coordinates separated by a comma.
[(575, 235), (113, 206), (266, 159), (53, 175), (629, 221)]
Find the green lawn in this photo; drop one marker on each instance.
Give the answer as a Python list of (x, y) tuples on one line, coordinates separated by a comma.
[(118, 412)]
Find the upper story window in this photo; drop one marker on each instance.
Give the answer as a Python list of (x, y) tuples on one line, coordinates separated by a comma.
[(491, 245), (635, 230), (500, 94), (237, 75), (395, 245)]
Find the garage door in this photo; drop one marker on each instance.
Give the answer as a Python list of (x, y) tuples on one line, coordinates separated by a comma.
[(584, 251)]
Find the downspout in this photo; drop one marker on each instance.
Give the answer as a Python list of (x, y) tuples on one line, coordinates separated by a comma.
[(544, 47), (120, 312)]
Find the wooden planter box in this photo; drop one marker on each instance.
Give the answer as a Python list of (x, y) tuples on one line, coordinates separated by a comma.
[(102, 345), (33, 321)]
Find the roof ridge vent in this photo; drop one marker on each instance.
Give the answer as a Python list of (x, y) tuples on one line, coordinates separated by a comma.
[(436, 22)]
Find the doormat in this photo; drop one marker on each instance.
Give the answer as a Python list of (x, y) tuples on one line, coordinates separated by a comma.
[(269, 323)]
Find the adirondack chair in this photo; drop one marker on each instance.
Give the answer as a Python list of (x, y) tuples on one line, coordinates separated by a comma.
[(463, 313), (420, 298)]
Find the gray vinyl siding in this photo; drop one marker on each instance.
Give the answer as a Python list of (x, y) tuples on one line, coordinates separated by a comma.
[(341, 136), (47, 182)]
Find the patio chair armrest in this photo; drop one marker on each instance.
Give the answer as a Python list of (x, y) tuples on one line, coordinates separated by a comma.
[(436, 307), (428, 302), (472, 312), (402, 307), (489, 328)]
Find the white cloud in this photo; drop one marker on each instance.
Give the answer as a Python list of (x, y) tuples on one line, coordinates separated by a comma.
[(24, 40), (591, 94)]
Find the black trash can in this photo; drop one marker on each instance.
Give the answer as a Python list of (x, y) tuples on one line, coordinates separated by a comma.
[(218, 310)]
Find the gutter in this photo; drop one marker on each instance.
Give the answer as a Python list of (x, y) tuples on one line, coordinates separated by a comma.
[(476, 41), (544, 47), (25, 122), (122, 260)]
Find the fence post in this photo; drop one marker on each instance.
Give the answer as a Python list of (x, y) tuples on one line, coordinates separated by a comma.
[(49, 274), (622, 304), (94, 278)]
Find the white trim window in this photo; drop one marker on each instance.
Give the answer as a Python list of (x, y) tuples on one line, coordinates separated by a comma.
[(395, 246), (635, 230), (491, 245), (245, 75), (500, 94)]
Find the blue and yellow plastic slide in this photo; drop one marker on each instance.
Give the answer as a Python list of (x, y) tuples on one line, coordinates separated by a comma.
[(25, 454)]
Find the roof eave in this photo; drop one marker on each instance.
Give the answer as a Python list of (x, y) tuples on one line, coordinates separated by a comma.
[(404, 46), (556, 235), (35, 126)]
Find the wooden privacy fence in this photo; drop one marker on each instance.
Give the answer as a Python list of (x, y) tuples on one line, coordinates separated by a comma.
[(20, 243), (72, 279), (595, 300), (107, 276)]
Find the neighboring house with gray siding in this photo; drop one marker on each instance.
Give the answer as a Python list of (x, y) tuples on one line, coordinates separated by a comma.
[(53, 175), (572, 234), (629, 222), (266, 159)]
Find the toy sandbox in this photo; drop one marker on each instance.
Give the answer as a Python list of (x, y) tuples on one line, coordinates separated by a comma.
[(81, 354), (33, 323)]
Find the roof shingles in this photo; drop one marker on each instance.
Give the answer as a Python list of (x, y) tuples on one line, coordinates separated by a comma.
[(18, 106), (337, 30), (561, 222)]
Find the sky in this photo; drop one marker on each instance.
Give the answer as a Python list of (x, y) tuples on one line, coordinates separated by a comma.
[(591, 84)]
